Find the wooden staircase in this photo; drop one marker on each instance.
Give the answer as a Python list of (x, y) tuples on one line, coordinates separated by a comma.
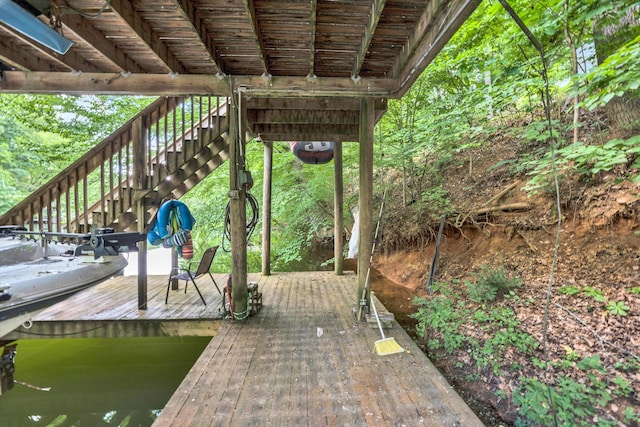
[(161, 153)]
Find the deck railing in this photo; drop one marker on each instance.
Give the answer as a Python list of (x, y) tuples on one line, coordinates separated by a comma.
[(102, 186)]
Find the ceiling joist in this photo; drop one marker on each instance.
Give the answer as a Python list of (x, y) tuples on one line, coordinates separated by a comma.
[(190, 14), (376, 10), (249, 7), (126, 12), (80, 29)]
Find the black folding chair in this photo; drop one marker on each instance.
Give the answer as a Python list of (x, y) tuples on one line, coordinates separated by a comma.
[(189, 275)]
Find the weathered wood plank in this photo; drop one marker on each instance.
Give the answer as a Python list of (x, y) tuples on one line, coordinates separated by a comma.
[(110, 309), (305, 360)]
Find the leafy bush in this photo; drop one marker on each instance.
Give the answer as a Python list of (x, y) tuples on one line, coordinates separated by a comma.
[(444, 317), (491, 284), (571, 402), (588, 161)]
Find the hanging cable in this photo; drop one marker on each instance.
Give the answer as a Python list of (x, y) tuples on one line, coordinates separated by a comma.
[(552, 140), (251, 222)]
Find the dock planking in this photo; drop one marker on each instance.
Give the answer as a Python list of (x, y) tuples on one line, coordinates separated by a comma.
[(304, 360), (110, 309)]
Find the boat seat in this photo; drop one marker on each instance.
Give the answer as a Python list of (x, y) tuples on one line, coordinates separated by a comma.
[(190, 275)]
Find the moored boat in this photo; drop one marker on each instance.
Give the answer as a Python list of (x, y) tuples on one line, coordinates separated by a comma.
[(37, 271)]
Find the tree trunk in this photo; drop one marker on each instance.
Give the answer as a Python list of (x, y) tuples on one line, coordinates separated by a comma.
[(621, 110), (574, 69)]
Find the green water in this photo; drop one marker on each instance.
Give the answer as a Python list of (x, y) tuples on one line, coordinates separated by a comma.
[(96, 382)]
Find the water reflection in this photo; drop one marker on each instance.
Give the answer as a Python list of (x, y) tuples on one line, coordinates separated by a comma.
[(96, 382)]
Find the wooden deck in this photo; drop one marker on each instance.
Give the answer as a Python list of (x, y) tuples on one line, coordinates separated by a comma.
[(110, 309), (304, 360)]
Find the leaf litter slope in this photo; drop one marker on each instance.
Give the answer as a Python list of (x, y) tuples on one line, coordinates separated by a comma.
[(598, 265)]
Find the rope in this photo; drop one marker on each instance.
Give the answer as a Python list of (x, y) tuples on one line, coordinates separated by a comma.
[(242, 315), (251, 222)]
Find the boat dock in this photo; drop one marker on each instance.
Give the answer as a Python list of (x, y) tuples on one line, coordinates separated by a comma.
[(303, 360), (109, 310)]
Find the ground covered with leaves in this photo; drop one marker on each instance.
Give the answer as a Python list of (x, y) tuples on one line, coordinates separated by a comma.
[(529, 332)]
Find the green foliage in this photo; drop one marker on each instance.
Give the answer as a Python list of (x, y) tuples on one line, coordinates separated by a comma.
[(588, 160), (302, 209), (40, 135), (618, 308), (443, 319), (12, 164), (569, 290), (502, 329), (491, 284), (443, 315), (594, 293), (623, 386), (617, 76), (568, 401), (630, 415)]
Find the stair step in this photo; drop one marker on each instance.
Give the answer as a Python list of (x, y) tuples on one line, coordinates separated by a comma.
[(189, 147)]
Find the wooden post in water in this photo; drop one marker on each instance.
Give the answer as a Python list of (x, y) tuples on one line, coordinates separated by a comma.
[(266, 208), (365, 243), (338, 211), (238, 212)]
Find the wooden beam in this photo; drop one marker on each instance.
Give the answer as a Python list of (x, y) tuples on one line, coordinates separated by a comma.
[(306, 132), (304, 116), (334, 103), (189, 13), (365, 242), (338, 209), (266, 208), (431, 34), (13, 55), (82, 29), (22, 54), (196, 84), (125, 11), (424, 25), (257, 37), (376, 10)]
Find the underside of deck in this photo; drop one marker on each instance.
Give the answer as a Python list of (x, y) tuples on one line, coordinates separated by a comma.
[(304, 360)]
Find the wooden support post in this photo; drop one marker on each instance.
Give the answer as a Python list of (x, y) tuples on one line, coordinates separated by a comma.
[(266, 208), (367, 122), (142, 258), (138, 137), (338, 210), (174, 266), (140, 182), (238, 212)]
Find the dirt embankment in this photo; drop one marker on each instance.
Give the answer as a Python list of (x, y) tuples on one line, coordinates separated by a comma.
[(598, 248)]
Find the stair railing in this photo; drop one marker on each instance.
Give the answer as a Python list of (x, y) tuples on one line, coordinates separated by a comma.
[(131, 161)]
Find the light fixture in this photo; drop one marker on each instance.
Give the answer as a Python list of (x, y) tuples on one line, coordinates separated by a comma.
[(25, 23)]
